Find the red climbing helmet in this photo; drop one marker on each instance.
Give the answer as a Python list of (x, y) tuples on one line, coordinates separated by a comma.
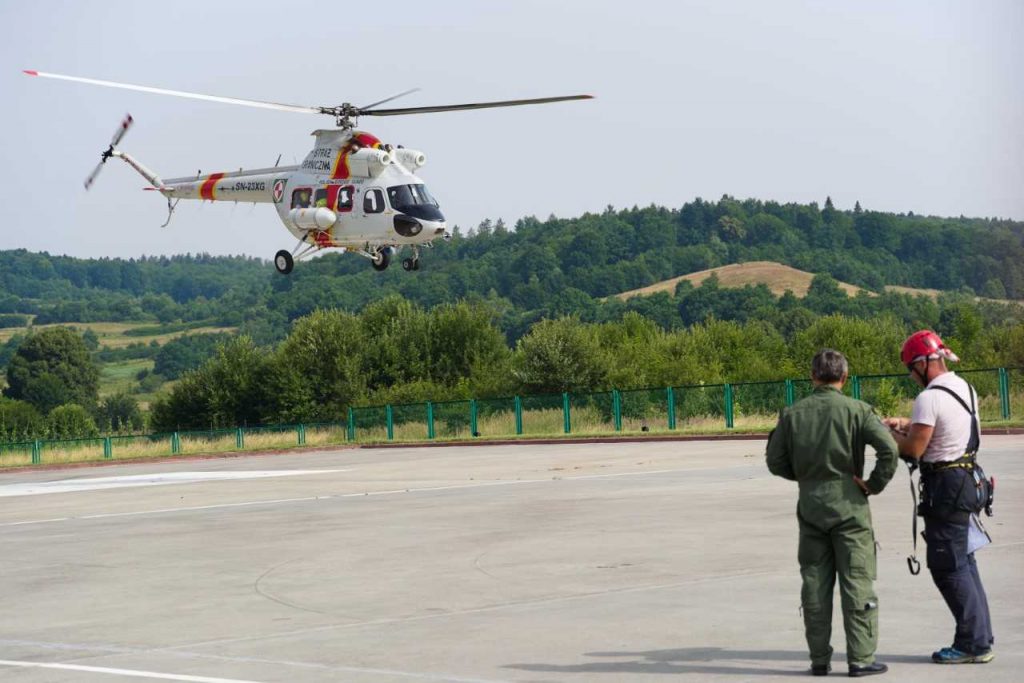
[(923, 345)]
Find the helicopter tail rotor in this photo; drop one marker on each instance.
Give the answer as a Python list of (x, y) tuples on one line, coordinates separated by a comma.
[(109, 152)]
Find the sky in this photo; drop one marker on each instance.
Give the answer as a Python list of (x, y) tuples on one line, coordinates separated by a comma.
[(904, 106)]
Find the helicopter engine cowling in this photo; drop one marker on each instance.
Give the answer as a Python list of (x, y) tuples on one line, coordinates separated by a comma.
[(368, 162), (410, 158), (312, 219)]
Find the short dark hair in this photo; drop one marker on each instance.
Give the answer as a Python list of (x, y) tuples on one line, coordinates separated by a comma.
[(829, 365)]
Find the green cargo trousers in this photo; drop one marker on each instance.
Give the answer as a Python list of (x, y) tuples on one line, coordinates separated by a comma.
[(846, 549)]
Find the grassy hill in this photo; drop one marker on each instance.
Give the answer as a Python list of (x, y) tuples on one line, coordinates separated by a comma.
[(776, 276)]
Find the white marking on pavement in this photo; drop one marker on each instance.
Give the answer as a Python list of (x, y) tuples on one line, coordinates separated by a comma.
[(122, 672), (335, 496), (83, 647), (160, 479)]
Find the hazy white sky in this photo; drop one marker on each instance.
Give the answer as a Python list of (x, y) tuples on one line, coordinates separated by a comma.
[(904, 106)]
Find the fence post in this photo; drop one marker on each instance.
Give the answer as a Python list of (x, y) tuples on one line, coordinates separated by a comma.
[(519, 415), (617, 409), (108, 448), (728, 407), (790, 395), (175, 444), (389, 414), (351, 435), (300, 434), (430, 420), (239, 438), (473, 431), (855, 385), (671, 394), (37, 452), (567, 421), (1004, 392)]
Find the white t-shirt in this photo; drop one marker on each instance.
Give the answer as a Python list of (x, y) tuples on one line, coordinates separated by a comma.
[(936, 408)]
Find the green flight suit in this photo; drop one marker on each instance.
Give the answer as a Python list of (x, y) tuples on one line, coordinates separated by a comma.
[(819, 442)]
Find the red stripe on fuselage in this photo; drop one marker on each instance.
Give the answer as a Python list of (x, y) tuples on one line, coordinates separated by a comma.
[(206, 189)]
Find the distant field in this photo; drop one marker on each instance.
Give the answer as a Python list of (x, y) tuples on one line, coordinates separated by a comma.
[(776, 276), (119, 376), (112, 335)]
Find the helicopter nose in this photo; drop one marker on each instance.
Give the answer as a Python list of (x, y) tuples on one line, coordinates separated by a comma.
[(407, 226)]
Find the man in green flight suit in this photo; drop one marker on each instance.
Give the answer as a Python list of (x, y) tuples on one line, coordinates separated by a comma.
[(819, 442)]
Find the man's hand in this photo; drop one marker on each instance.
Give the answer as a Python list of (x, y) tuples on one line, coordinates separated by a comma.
[(900, 425), (863, 486)]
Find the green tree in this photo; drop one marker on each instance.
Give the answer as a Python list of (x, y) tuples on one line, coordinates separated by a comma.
[(70, 421), (19, 421), (228, 390), (51, 368), (120, 413), (560, 355), (317, 372)]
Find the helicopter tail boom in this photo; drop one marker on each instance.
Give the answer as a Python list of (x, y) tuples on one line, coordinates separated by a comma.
[(260, 185)]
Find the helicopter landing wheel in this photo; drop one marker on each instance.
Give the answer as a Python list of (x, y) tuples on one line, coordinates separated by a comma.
[(381, 259), (283, 262), (411, 264)]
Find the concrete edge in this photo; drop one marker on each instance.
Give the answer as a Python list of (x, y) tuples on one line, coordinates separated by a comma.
[(1000, 431)]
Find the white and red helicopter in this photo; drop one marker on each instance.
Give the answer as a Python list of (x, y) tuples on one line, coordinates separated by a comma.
[(351, 192)]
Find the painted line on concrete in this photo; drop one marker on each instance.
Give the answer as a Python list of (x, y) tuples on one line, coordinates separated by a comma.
[(122, 672), (337, 496), (107, 650), (36, 488)]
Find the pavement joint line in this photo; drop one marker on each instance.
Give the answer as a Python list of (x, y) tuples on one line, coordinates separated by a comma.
[(109, 650), (481, 610), (334, 496)]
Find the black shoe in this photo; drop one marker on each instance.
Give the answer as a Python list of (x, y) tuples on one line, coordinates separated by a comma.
[(869, 670), (820, 669)]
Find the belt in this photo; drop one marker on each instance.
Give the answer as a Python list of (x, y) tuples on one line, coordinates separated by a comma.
[(966, 462)]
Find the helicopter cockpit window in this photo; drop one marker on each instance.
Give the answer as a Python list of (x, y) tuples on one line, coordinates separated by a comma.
[(403, 196), (373, 201), (345, 198), (320, 198), (301, 198)]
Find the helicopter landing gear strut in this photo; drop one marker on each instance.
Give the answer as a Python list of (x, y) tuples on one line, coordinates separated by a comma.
[(381, 259), (412, 263)]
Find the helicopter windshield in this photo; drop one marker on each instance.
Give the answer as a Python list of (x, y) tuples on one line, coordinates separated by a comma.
[(414, 200)]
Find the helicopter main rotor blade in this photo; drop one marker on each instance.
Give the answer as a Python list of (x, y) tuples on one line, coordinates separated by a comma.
[(475, 105), (388, 99), (179, 93)]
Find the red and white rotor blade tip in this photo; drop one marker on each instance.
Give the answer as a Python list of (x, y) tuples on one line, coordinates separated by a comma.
[(92, 176), (121, 130), (179, 93)]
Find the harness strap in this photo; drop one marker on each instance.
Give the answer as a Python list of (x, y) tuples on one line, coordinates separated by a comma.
[(912, 563)]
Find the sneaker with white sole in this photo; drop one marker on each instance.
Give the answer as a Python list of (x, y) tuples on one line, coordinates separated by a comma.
[(951, 655)]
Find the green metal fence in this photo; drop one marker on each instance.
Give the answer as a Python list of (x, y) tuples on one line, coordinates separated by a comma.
[(695, 408)]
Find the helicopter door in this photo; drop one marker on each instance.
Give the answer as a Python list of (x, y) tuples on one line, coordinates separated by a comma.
[(376, 221)]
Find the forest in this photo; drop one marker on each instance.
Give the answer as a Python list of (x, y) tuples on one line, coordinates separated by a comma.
[(497, 311)]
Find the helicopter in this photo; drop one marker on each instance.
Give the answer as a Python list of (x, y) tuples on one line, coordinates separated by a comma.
[(352, 191)]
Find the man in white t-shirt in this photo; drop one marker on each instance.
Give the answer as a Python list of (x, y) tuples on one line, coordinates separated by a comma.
[(942, 435)]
